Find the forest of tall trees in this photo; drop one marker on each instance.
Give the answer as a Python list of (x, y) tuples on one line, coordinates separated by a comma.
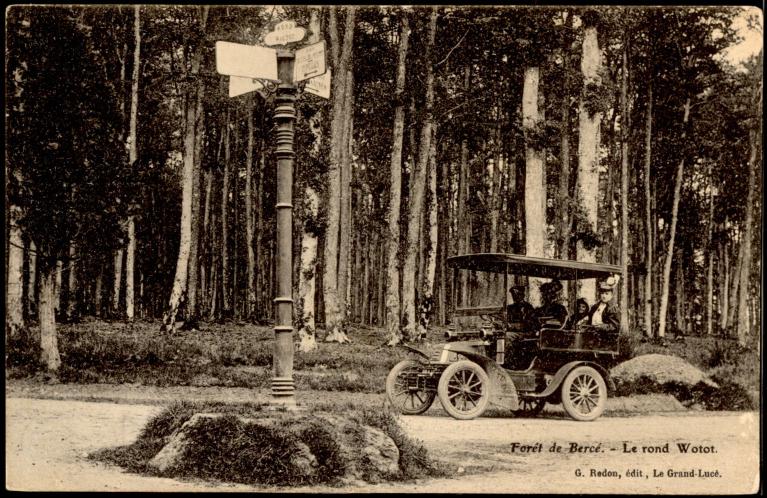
[(137, 189)]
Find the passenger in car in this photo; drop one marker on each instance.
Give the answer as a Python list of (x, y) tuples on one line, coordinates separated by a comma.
[(605, 315), (551, 309), (581, 315)]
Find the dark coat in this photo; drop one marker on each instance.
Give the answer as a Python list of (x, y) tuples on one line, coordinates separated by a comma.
[(610, 316), (555, 310)]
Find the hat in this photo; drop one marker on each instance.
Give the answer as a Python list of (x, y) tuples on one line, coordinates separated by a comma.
[(519, 288), (609, 283)]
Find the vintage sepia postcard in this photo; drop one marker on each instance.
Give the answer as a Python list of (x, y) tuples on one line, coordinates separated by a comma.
[(383, 249)]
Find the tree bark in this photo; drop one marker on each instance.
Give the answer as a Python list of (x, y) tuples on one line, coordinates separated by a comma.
[(32, 282), (132, 158), (417, 192), (193, 276), (251, 273), (430, 265), (648, 295), (182, 263), (535, 187), (563, 197), (625, 126), (72, 284), (225, 219), (672, 234), (14, 319), (394, 333), (344, 244), (588, 154), (724, 290), (745, 270), (710, 269), (49, 349), (333, 309), (118, 271)]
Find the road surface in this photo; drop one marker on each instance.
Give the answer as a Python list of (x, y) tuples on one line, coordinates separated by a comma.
[(47, 442)]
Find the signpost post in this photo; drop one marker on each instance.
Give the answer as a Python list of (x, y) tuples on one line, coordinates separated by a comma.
[(250, 68)]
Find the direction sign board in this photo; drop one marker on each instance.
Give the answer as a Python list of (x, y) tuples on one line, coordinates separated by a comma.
[(284, 25), (249, 61), (285, 36), (309, 62), (319, 85), (239, 85)]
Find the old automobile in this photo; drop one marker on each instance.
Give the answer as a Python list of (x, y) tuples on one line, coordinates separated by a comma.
[(491, 357)]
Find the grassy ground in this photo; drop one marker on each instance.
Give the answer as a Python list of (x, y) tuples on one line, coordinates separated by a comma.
[(239, 355), (229, 355)]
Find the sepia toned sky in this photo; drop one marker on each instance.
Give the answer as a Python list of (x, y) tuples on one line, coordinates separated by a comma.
[(752, 38)]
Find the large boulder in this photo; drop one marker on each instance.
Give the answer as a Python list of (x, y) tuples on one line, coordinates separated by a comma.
[(278, 448), (659, 369)]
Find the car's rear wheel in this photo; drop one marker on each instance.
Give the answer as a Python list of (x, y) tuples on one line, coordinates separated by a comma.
[(584, 393), (529, 407), (464, 390), (404, 391)]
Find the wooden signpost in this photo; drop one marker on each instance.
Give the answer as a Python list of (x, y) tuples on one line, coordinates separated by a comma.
[(249, 68)]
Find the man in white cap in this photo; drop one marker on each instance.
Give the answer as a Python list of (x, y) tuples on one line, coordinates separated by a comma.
[(604, 315)]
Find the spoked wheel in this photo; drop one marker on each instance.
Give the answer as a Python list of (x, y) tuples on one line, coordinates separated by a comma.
[(464, 390), (529, 407), (403, 390), (584, 393)]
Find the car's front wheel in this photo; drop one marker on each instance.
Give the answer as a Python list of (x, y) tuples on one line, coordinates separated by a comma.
[(584, 393), (403, 390), (464, 390)]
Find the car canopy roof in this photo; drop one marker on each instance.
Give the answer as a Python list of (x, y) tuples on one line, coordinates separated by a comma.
[(532, 267)]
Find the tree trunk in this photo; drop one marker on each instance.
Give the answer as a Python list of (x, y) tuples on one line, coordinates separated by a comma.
[(745, 270), (225, 219), (192, 310), (625, 126), (563, 195), (333, 309), (417, 192), (72, 284), (32, 282), (724, 291), (118, 271), (49, 345), (672, 234), (588, 154), (394, 334), (132, 158), (710, 269), (251, 273), (649, 260), (344, 244), (97, 301), (535, 187), (430, 266), (182, 263), (306, 289), (14, 318)]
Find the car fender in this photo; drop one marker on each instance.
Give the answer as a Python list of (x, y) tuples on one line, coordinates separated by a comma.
[(566, 369), (415, 350), (503, 392)]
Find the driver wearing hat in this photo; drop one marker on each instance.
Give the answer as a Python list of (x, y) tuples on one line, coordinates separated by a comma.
[(605, 315), (551, 308)]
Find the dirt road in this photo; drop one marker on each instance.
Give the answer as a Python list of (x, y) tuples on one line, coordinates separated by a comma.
[(47, 442)]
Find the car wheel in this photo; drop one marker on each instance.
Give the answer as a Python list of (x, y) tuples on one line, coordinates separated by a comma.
[(529, 407), (403, 391), (584, 393), (464, 390)]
